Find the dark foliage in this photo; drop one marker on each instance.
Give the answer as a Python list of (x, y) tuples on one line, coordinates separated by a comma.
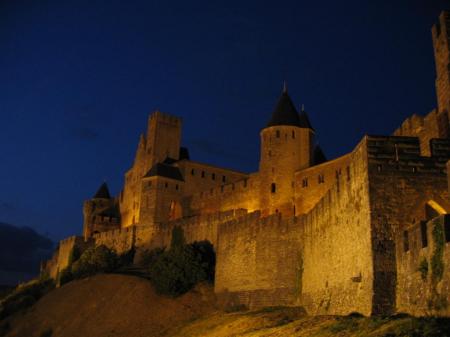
[(150, 256), (205, 253), (95, 260), (127, 258), (177, 270)]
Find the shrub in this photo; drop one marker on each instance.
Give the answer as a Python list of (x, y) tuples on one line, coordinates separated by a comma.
[(150, 256), (207, 257), (65, 276), (176, 271), (95, 260), (127, 258)]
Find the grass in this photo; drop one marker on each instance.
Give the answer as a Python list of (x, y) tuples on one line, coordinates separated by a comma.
[(283, 321)]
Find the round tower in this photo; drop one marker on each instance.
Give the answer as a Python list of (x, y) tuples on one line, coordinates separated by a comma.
[(286, 147)]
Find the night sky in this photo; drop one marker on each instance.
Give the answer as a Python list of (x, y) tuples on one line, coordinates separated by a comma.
[(79, 78)]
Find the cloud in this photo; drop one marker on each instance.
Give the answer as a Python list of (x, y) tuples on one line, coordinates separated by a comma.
[(6, 206), (85, 133), (22, 249)]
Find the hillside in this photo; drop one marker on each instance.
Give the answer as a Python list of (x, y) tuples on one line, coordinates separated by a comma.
[(118, 305), (109, 305)]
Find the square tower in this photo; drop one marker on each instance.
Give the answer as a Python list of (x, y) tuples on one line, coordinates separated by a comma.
[(441, 45)]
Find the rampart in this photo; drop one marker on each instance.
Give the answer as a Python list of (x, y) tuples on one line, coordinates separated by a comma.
[(258, 261), (337, 271), (61, 257), (423, 260), (401, 183)]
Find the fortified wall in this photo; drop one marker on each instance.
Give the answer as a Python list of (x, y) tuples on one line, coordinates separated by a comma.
[(423, 260)]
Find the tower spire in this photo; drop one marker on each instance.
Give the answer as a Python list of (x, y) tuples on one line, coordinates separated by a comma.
[(284, 87)]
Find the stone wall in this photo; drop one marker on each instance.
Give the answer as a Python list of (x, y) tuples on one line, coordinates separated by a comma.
[(421, 248), (61, 257), (258, 261), (432, 125), (242, 194), (401, 183), (337, 274), (313, 183), (441, 44)]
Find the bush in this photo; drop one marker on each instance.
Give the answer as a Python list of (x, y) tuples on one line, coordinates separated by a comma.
[(95, 260), (24, 296), (65, 276), (176, 271), (150, 256), (127, 258), (205, 253)]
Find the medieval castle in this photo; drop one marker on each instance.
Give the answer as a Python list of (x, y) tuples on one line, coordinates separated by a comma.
[(365, 232)]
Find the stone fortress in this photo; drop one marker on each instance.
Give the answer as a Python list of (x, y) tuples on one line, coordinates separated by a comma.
[(366, 232)]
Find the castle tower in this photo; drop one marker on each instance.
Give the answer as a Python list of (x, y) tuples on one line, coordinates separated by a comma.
[(162, 141), (163, 138), (100, 213), (441, 44), (286, 146), (162, 187)]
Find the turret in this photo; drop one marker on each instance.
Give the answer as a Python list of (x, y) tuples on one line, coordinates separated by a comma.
[(100, 213), (441, 45), (286, 147)]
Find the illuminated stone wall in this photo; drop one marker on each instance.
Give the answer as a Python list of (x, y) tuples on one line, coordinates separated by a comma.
[(401, 183), (337, 272), (422, 249), (257, 261)]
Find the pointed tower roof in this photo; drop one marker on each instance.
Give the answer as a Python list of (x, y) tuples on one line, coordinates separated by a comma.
[(285, 112), (103, 192), (304, 119), (318, 156)]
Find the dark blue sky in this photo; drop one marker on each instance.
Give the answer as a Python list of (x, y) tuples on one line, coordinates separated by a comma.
[(79, 78)]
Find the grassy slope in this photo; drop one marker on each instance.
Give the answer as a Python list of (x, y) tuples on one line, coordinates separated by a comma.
[(119, 305), (282, 322)]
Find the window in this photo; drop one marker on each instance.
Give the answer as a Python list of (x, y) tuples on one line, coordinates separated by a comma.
[(321, 179), (277, 133), (166, 185), (245, 183), (192, 172), (293, 134), (273, 188), (405, 241), (423, 233), (176, 187), (348, 173), (213, 176), (224, 179), (203, 174), (305, 182)]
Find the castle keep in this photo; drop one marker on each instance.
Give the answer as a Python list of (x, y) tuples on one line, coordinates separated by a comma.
[(335, 236)]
